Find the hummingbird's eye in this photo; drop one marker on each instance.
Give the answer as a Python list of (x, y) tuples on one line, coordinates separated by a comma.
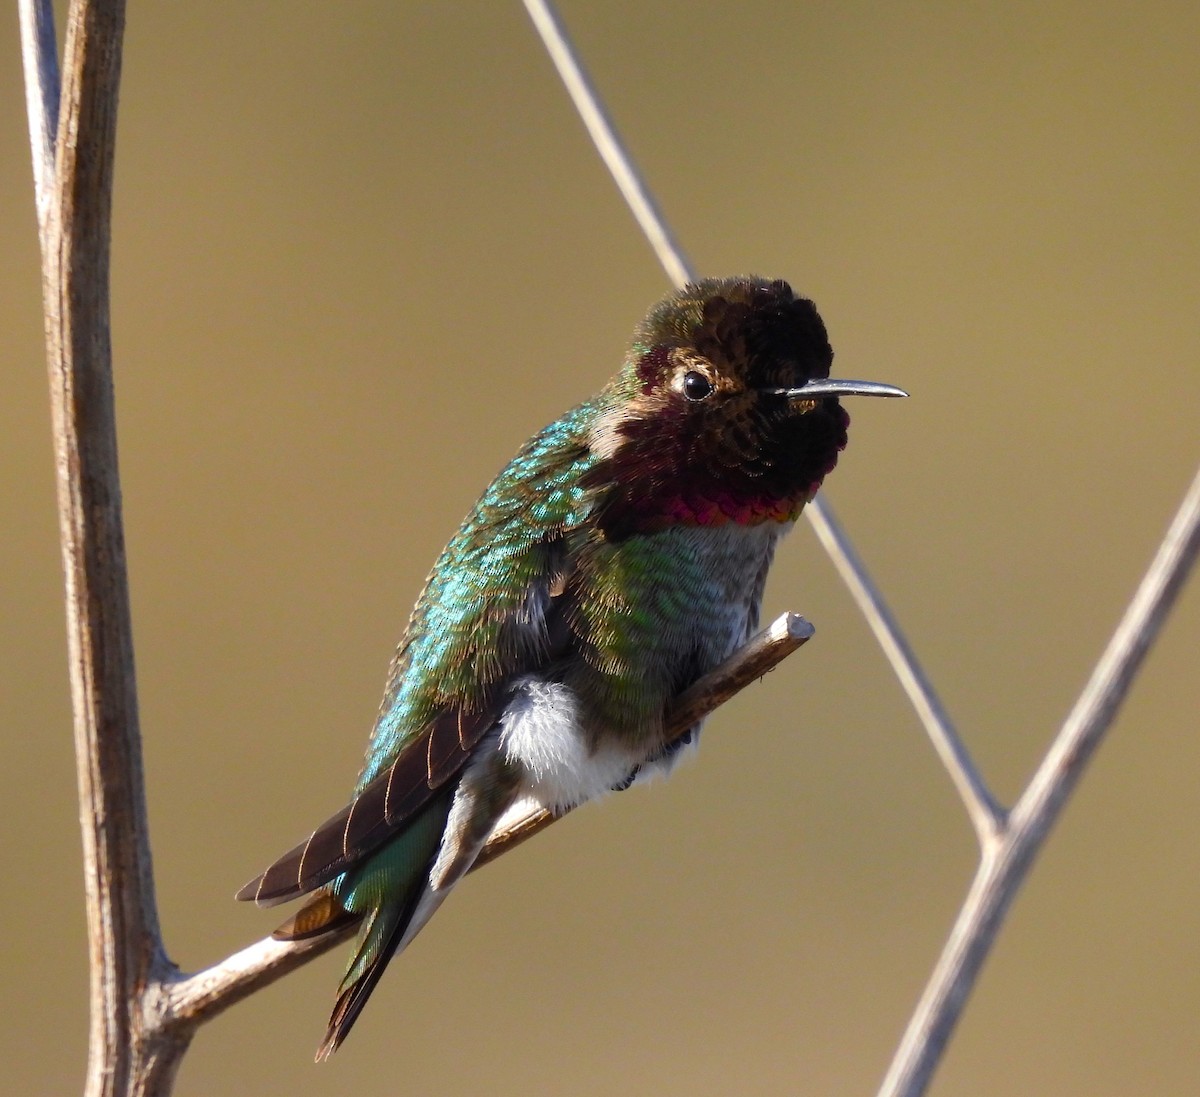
[(696, 386)]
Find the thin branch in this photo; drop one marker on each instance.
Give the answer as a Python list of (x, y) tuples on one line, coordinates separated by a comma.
[(1110, 681), (191, 1000), (604, 136), (982, 808), (39, 58), (986, 815), (1006, 863), (761, 653), (75, 204)]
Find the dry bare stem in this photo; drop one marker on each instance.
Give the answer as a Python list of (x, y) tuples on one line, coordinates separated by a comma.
[(73, 170), (1008, 841), (1006, 860)]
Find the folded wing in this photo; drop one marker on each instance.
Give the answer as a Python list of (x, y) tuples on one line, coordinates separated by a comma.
[(379, 810)]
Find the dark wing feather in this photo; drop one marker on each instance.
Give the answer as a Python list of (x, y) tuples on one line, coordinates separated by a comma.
[(435, 755), (520, 625), (382, 807)]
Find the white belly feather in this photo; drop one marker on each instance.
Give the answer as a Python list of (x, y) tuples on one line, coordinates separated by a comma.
[(541, 728)]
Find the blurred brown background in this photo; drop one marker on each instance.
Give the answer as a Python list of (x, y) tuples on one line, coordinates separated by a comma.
[(361, 252)]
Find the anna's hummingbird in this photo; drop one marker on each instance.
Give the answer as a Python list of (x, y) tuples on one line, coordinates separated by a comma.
[(617, 558)]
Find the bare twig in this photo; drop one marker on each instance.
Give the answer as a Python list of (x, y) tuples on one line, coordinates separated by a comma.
[(39, 58), (1110, 681), (761, 653), (604, 136), (986, 815), (1006, 862), (194, 999)]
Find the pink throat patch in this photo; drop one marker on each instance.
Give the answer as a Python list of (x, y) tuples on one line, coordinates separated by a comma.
[(722, 508)]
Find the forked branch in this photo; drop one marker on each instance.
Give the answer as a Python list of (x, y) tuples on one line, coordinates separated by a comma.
[(1008, 843), (1007, 860)]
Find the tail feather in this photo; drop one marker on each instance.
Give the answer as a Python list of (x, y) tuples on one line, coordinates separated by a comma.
[(385, 892), (351, 998), (322, 914)]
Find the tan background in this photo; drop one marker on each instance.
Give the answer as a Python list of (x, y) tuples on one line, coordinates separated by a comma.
[(362, 251)]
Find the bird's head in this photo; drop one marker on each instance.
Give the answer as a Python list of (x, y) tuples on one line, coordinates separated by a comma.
[(723, 411)]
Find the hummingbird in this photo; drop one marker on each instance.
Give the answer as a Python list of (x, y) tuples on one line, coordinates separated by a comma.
[(617, 558)]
